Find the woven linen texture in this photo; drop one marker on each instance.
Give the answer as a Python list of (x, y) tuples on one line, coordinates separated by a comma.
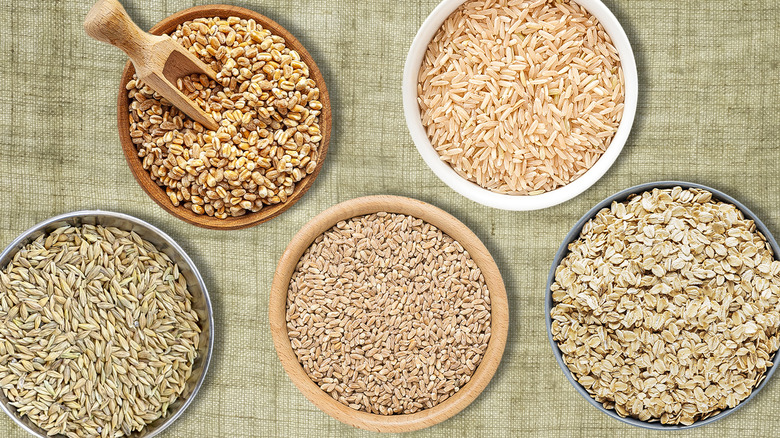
[(708, 112)]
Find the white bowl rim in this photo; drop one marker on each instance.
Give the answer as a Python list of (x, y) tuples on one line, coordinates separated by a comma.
[(486, 197)]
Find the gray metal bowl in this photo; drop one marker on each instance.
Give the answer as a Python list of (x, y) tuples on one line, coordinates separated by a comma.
[(200, 303), (564, 250)]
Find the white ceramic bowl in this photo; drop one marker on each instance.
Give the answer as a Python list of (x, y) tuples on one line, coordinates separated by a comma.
[(516, 202)]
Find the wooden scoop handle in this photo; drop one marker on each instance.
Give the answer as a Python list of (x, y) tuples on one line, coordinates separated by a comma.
[(158, 60), (108, 21)]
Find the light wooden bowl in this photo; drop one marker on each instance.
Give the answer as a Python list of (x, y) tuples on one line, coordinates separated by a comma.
[(156, 192), (449, 225)]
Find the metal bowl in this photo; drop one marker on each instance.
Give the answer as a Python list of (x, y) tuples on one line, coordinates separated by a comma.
[(564, 250), (200, 303)]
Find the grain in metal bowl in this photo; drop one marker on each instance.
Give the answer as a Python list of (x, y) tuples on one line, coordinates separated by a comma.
[(663, 305), (106, 324)]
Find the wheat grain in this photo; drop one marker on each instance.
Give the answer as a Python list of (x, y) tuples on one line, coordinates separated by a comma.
[(268, 110)]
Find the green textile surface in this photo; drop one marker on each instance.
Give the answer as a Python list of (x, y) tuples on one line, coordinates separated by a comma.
[(708, 112)]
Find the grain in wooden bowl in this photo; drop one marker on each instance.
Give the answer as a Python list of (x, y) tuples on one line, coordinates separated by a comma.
[(273, 108), (388, 313), (663, 305), (106, 326)]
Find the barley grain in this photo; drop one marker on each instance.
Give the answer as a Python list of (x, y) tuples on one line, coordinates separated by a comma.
[(99, 336)]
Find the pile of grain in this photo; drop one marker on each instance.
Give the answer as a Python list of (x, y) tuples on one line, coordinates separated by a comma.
[(98, 332), (387, 314), (521, 97), (667, 308), (266, 105)]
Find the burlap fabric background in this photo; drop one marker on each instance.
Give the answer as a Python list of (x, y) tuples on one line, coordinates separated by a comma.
[(708, 112)]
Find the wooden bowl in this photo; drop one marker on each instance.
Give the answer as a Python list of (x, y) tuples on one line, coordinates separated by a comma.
[(156, 192), (447, 224)]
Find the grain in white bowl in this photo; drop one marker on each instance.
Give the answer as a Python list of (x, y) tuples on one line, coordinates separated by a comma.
[(521, 97)]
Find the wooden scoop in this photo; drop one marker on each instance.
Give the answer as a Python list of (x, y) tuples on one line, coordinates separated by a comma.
[(158, 60)]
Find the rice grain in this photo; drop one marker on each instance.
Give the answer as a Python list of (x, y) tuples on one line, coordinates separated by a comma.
[(521, 97)]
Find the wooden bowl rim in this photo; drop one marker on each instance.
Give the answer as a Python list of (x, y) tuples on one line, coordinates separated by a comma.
[(448, 224), (158, 193)]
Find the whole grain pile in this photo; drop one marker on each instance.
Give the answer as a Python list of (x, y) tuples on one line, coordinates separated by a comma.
[(521, 97), (97, 332), (268, 110), (387, 314), (666, 308)]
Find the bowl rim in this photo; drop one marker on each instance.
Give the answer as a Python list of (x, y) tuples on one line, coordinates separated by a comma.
[(27, 236), (447, 224), (574, 234), (484, 196), (156, 192)]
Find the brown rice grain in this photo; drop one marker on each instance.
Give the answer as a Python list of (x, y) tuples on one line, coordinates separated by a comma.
[(521, 97)]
